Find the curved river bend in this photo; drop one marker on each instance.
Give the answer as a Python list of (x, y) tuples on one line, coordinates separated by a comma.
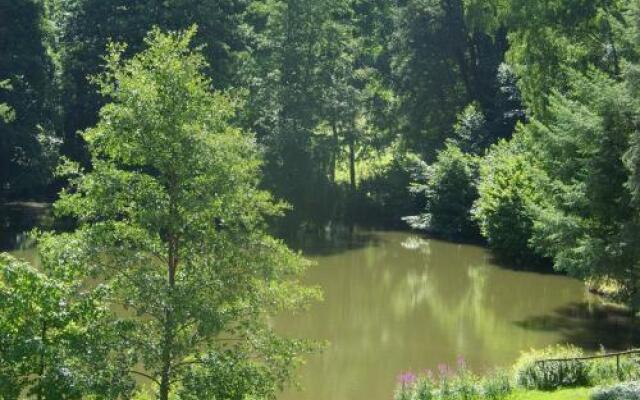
[(396, 302)]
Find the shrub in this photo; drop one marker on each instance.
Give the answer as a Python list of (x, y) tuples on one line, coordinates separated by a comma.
[(496, 386), (424, 389), (531, 374), (464, 385), (511, 189), (450, 191), (622, 391)]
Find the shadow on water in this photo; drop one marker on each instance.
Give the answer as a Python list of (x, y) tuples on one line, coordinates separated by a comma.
[(18, 218), (590, 326), (332, 239), (544, 267)]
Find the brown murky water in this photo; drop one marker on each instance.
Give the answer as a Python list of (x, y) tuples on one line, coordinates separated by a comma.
[(396, 302)]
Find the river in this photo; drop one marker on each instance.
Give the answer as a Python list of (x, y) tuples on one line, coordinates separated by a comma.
[(397, 301)]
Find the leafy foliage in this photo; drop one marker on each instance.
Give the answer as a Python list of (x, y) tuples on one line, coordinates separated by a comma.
[(83, 28), (447, 55), (171, 218), (57, 336), (550, 38), (510, 191), (450, 190)]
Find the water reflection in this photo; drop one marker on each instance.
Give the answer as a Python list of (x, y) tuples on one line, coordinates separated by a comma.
[(398, 301)]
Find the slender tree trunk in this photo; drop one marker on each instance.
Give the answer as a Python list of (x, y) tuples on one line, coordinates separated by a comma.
[(352, 162), (334, 152), (169, 325), (475, 52)]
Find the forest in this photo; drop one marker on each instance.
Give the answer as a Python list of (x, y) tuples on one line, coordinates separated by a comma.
[(183, 144)]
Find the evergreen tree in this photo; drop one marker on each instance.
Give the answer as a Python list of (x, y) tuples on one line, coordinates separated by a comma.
[(590, 227)]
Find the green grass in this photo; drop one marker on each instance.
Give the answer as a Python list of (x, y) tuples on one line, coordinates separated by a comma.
[(566, 394)]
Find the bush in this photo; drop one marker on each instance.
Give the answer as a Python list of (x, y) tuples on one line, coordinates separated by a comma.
[(464, 385), (531, 374), (511, 189), (622, 391), (496, 386), (450, 191)]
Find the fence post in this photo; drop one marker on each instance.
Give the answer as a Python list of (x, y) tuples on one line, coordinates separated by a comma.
[(618, 367)]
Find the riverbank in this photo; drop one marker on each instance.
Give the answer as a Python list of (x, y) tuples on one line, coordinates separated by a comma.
[(564, 394), (554, 373)]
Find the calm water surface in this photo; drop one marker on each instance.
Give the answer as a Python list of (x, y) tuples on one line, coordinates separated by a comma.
[(396, 302)]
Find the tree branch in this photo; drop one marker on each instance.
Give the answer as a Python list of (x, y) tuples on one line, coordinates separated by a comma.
[(151, 378)]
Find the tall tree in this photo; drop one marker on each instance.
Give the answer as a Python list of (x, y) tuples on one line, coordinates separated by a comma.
[(170, 217), (591, 226), (446, 54), (285, 77)]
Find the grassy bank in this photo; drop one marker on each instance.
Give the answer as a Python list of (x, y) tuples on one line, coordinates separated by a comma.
[(565, 394)]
